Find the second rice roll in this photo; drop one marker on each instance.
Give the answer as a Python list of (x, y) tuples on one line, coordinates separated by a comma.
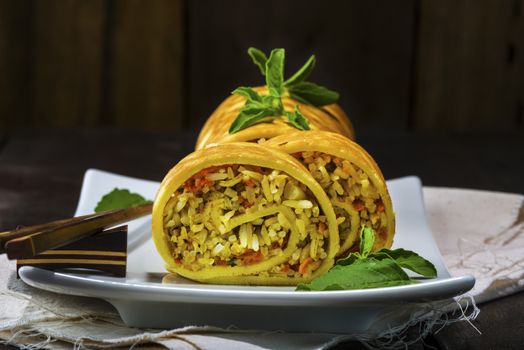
[(351, 179)]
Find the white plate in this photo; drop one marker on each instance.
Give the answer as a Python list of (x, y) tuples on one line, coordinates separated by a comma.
[(144, 301)]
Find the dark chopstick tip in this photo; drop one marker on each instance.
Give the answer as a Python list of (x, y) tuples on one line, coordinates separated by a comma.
[(19, 249)]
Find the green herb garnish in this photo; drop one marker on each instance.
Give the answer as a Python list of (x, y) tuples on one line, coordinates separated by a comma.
[(363, 273), (313, 94), (119, 199), (302, 74), (259, 58), (263, 108), (364, 269), (275, 72), (297, 120)]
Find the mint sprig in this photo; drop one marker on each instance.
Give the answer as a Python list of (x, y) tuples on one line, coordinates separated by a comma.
[(365, 269), (119, 199), (263, 108), (297, 86)]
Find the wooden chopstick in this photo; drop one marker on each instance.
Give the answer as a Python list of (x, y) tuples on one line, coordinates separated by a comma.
[(105, 251), (37, 239), (24, 231)]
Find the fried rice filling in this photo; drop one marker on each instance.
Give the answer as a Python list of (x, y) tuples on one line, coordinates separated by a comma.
[(239, 215), (356, 200)]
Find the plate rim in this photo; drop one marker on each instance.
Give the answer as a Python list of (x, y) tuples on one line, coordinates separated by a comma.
[(434, 289)]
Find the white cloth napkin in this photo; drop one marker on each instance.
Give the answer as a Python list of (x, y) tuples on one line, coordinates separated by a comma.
[(479, 233)]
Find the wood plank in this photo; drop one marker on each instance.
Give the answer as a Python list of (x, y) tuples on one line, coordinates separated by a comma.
[(15, 63), (364, 51), (469, 65), (516, 62), (146, 74), (67, 62)]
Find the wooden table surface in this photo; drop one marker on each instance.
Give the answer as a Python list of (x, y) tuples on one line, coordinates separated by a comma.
[(41, 173)]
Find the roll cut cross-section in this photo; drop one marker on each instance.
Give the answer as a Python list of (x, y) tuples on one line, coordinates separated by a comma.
[(351, 179), (216, 129), (243, 213)]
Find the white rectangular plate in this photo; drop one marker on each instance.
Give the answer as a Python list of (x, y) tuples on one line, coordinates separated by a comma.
[(149, 297)]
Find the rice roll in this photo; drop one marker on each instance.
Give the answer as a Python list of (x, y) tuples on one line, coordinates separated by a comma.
[(351, 179), (243, 213)]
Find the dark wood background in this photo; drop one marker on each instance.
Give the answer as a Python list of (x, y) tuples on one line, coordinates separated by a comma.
[(166, 64)]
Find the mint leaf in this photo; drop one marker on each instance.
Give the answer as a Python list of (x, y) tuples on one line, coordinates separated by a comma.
[(250, 116), (312, 94), (303, 73), (350, 259), (408, 260), (362, 274), (248, 93), (259, 58), (297, 120), (257, 109), (275, 72), (255, 104), (119, 199), (367, 239)]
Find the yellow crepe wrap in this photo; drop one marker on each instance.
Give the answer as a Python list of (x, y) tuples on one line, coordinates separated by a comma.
[(202, 232), (351, 179), (216, 129)]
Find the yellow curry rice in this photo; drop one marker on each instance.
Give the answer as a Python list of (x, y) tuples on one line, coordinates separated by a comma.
[(355, 199), (215, 219)]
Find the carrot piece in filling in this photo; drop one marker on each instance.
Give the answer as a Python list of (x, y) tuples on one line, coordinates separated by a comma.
[(251, 257), (383, 233), (322, 228), (285, 268), (199, 180), (196, 184), (380, 206), (303, 266), (358, 205), (244, 202), (221, 263)]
